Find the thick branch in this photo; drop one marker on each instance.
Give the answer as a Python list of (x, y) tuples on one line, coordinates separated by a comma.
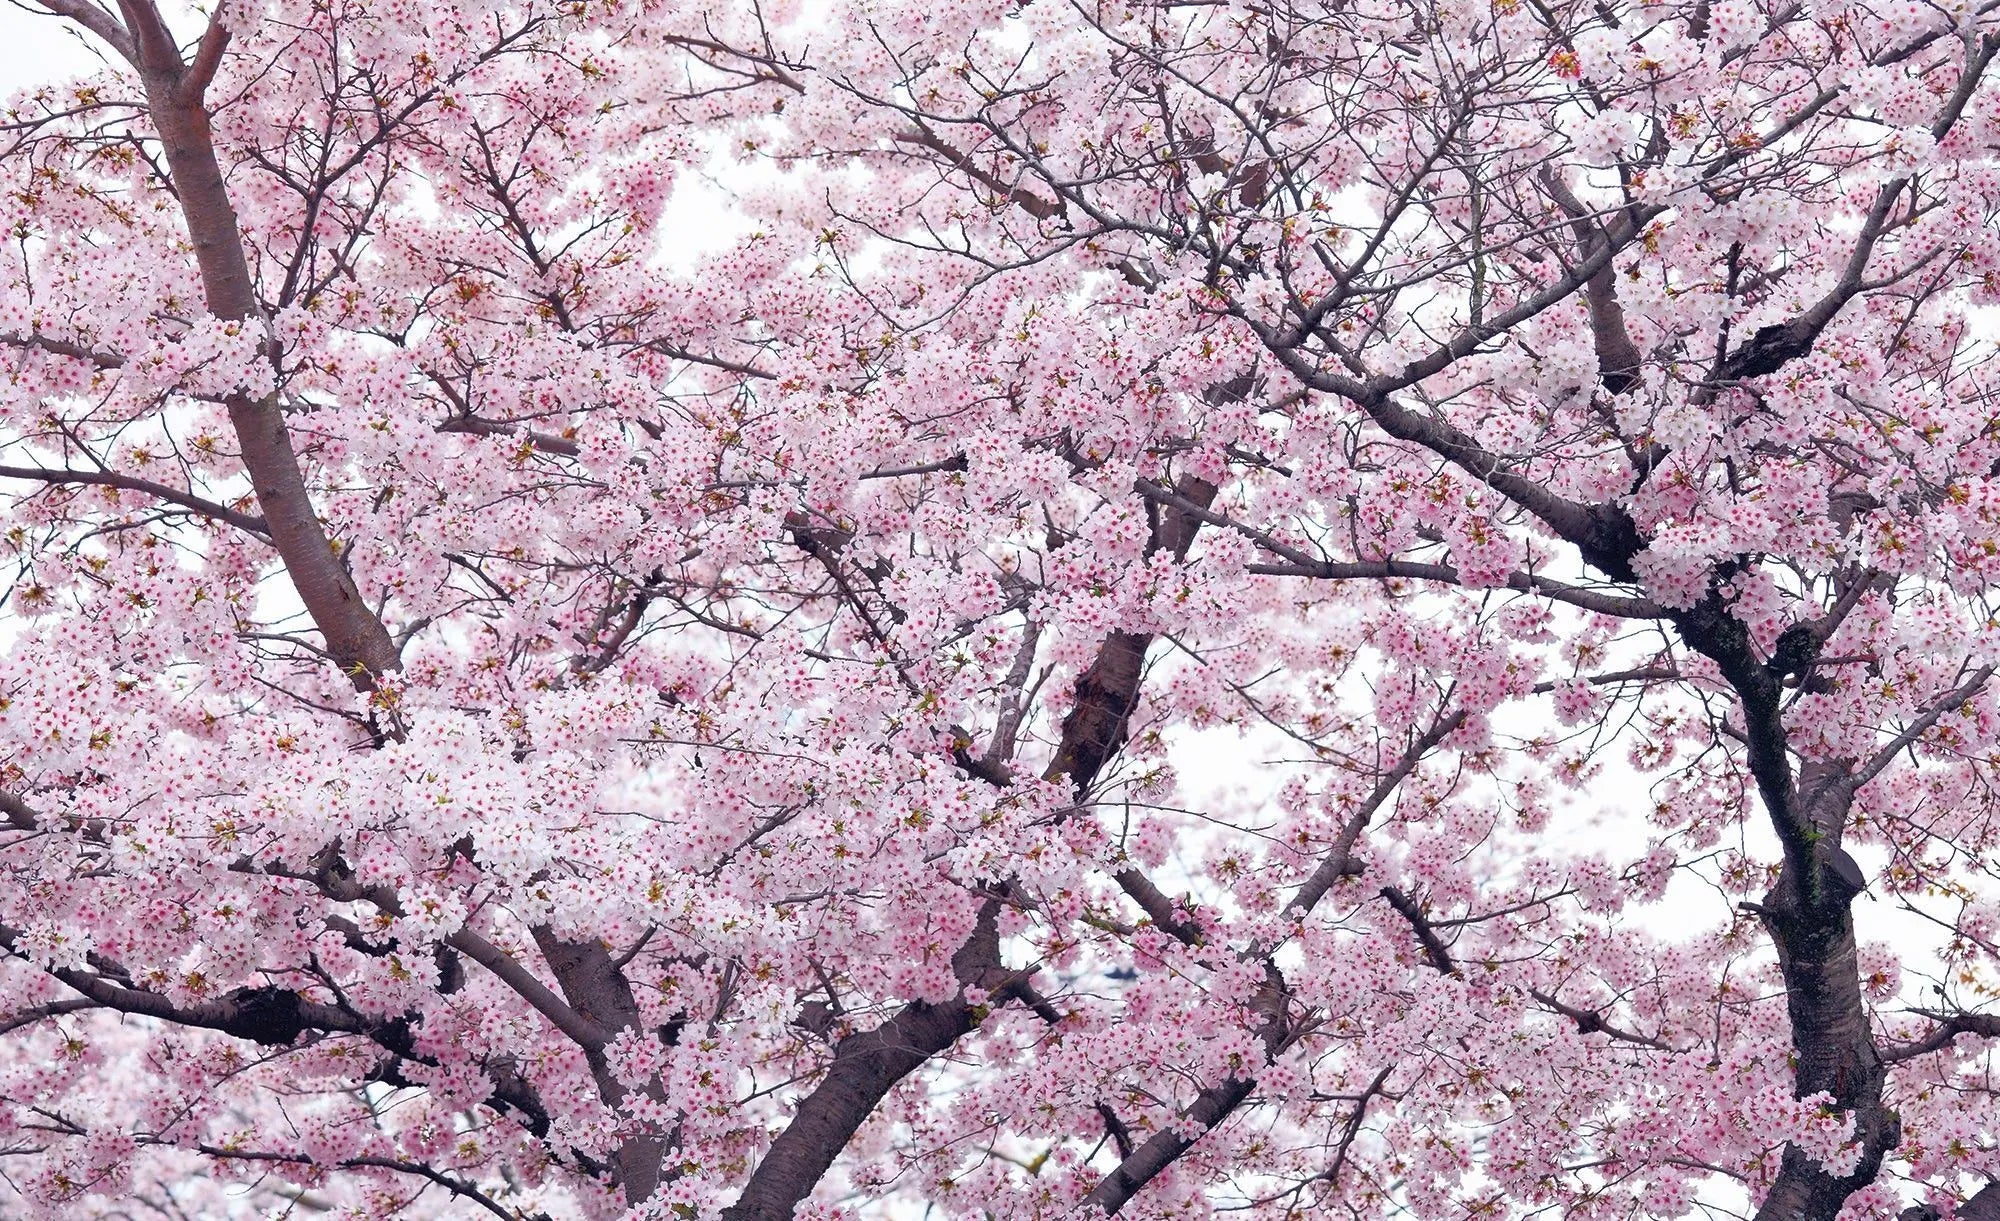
[(1300, 563), (600, 999), (1209, 1109), (1618, 358), (1711, 630), (1165, 1147), (1157, 906), (1107, 692), (581, 1030), (1435, 950), (866, 1065), (1775, 346), (207, 54), (544, 442), (1105, 696), (1949, 1027), (270, 1016), (354, 635)]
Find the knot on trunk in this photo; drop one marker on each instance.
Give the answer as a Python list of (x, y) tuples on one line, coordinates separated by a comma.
[(272, 1017)]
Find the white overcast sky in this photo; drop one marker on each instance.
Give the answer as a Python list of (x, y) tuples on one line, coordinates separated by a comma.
[(36, 48)]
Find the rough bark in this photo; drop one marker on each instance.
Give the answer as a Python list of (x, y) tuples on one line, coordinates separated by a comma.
[(1808, 916), (1209, 1109), (599, 993), (1618, 358), (1107, 691), (866, 1066)]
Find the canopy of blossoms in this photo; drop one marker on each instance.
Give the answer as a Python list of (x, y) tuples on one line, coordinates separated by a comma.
[(517, 702)]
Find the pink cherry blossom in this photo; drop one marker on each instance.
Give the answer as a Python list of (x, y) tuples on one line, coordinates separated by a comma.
[(1185, 610)]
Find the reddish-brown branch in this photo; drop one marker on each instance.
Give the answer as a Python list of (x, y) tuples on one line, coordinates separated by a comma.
[(249, 523), (1435, 950), (1022, 198), (865, 1066), (354, 635), (1949, 1027), (451, 1183), (1339, 860), (207, 55), (1589, 1021)]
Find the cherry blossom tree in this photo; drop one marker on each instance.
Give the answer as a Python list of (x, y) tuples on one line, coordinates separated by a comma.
[(515, 707)]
